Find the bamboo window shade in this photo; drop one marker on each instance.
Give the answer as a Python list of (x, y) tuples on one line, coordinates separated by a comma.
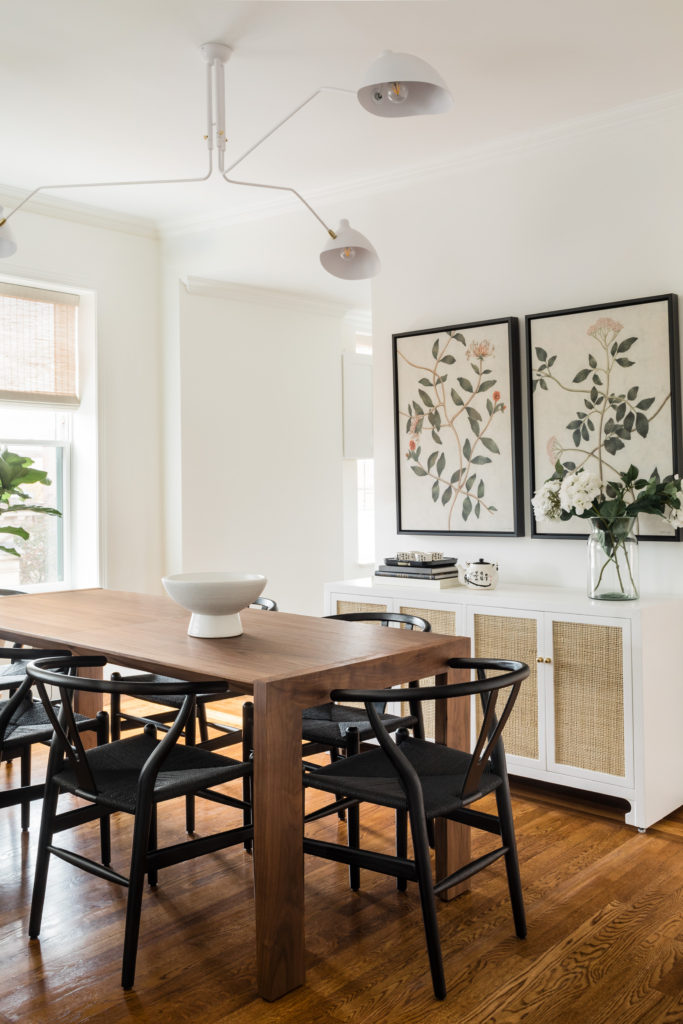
[(38, 344)]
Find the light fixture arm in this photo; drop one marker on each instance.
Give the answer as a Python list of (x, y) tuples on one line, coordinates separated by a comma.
[(281, 188), (110, 184)]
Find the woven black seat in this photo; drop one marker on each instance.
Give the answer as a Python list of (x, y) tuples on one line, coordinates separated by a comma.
[(131, 775), (24, 722), (329, 724), (422, 781)]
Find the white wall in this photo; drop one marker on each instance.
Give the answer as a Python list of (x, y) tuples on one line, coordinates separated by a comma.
[(260, 441), (122, 270), (594, 216)]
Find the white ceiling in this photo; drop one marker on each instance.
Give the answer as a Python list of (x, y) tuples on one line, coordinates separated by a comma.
[(114, 89)]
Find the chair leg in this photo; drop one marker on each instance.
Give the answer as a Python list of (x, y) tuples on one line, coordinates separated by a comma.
[(25, 781), (102, 732), (401, 844), (190, 741), (136, 882), (153, 873), (203, 724), (115, 712), (247, 754), (43, 858), (507, 830), (418, 828), (353, 813)]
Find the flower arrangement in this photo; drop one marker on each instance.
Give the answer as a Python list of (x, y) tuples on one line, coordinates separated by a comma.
[(613, 508), (15, 474)]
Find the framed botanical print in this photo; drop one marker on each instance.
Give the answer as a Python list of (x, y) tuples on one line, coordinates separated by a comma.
[(604, 394), (457, 429)]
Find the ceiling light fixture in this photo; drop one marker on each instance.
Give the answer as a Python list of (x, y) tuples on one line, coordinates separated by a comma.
[(396, 85)]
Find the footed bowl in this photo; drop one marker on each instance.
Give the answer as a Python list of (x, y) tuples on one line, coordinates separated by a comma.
[(215, 599)]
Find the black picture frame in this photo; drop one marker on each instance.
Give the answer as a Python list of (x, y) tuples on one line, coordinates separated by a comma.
[(657, 371), (483, 354)]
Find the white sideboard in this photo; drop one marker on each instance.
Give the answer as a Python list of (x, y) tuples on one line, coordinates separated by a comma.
[(602, 709)]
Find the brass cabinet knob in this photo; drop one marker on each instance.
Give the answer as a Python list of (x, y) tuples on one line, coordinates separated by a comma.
[(548, 661), (539, 660)]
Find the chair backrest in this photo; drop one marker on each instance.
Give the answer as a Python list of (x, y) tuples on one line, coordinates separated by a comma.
[(385, 619), (9, 593), (60, 672), (20, 697), (489, 743), (266, 604)]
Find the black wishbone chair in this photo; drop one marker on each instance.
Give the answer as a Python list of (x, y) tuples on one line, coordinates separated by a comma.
[(341, 730), (131, 775), (24, 722), (228, 735), (423, 780)]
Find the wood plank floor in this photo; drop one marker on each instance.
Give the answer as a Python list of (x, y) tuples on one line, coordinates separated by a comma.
[(604, 908)]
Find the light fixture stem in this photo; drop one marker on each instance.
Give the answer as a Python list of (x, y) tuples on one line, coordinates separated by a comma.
[(110, 184), (209, 107), (220, 103)]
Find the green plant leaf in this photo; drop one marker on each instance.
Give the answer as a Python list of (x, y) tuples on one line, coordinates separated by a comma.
[(581, 375), (470, 482), (435, 491), (447, 495), (642, 424), (645, 404), (541, 355), (632, 394), (432, 459), (440, 463), (435, 349), (489, 443), (456, 476), (425, 383), (425, 398), (467, 449), (459, 337), (17, 531), (419, 471), (480, 489), (447, 359), (477, 509), (592, 362), (480, 460), (623, 361), (486, 384), (457, 400), (625, 345), (465, 384), (466, 508)]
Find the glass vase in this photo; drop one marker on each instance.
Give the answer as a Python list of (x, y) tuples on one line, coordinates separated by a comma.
[(613, 560)]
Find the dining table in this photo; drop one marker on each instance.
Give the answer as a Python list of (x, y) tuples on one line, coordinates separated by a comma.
[(285, 663)]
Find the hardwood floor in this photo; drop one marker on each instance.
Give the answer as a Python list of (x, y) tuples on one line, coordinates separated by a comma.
[(604, 907)]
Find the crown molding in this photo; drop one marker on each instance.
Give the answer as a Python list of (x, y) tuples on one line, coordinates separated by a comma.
[(255, 295), (662, 107), (79, 213)]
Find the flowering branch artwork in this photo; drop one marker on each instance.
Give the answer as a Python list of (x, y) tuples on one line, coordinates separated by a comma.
[(604, 394), (457, 435)]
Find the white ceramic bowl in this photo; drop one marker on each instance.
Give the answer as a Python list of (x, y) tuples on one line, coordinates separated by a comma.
[(215, 599)]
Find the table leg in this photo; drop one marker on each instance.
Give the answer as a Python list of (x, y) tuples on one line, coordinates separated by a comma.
[(452, 841), (278, 842)]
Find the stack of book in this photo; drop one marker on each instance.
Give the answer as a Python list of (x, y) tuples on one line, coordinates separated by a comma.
[(434, 573)]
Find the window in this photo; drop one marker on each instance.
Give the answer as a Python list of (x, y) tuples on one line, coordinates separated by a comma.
[(39, 396)]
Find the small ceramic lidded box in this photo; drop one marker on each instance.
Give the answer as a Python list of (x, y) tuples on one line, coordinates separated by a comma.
[(479, 575)]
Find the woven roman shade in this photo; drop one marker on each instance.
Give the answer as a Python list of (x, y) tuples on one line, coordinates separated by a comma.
[(38, 345)]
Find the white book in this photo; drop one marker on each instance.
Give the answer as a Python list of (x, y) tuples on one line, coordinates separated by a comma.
[(418, 582)]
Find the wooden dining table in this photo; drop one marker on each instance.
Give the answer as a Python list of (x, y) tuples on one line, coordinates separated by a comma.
[(286, 663)]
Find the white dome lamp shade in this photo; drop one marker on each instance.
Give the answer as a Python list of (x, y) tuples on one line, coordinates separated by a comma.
[(8, 246), (348, 254), (400, 85)]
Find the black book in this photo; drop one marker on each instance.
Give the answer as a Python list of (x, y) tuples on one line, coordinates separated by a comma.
[(421, 573), (436, 564)]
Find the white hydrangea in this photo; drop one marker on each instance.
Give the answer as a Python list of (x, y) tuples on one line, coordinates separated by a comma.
[(578, 491), (546, 501), (674, 516)]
